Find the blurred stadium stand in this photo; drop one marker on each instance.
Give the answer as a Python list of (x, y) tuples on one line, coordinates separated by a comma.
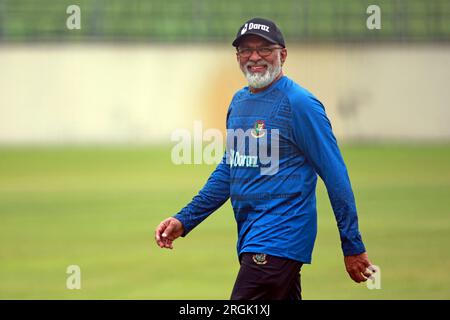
[(216, 21)]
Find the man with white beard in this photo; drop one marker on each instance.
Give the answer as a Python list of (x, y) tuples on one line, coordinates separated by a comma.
[(275, 213)]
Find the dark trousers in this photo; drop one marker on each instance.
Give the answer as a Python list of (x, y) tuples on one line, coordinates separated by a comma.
[(266, 277)]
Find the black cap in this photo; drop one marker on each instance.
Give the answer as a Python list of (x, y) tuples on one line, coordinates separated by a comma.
[(260, 27)]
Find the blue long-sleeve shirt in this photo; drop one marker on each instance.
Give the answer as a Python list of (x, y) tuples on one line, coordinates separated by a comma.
[(275, 210)]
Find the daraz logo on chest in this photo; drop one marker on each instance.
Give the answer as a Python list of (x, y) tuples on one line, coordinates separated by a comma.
[(254, 26)]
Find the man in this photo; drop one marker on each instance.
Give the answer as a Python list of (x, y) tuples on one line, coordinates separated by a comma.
[(275, 211)]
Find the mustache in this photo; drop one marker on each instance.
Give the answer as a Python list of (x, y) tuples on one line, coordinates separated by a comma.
[(259, 63)]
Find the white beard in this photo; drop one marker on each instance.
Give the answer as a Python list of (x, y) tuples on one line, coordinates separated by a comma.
[(259, 80)]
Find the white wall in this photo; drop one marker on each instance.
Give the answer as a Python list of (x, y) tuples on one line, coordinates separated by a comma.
[(107, 93)]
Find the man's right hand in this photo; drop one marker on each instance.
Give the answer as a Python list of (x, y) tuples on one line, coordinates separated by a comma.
[(167, 232)]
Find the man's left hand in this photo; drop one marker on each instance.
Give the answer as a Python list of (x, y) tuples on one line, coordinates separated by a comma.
[(359, 267)]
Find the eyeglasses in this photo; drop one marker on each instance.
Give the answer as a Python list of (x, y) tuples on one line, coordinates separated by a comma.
[(262, 52)]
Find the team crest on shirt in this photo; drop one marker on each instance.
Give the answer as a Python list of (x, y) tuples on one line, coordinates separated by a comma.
[(260, 258), (259, 129)]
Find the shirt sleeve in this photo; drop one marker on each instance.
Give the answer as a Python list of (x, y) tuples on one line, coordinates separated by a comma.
[(314, 136), (211, 197)]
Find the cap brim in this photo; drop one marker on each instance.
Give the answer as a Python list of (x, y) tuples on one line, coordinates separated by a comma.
[(239, 39)]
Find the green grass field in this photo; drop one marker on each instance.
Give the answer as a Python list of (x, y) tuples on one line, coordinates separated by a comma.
[(98, 207)]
